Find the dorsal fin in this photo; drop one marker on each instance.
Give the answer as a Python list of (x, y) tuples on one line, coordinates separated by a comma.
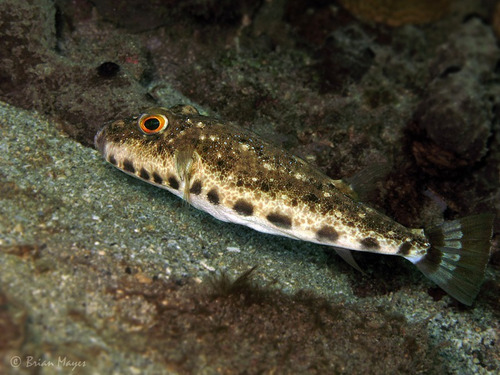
[(363, 182), (346, 189)]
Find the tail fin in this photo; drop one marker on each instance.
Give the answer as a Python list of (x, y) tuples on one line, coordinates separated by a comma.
[(459, 253)]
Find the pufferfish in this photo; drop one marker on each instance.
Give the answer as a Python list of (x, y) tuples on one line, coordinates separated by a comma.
[(235, 176)]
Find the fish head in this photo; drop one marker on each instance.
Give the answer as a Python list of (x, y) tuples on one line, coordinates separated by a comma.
[(138, 131), (146, 145)]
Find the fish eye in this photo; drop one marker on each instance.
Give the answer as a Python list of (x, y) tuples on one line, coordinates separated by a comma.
[(152, 124)]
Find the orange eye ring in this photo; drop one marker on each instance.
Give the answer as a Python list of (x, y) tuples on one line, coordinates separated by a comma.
[(152, 124)]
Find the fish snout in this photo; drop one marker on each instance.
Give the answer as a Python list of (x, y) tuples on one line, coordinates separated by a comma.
[(100, 139)]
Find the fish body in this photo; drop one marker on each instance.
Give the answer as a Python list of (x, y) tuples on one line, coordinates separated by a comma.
[(236, 176)]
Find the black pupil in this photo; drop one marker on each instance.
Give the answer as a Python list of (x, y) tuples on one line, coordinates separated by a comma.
[(152, 124)]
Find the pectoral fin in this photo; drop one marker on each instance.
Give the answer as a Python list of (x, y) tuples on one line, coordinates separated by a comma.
[(186, 162)]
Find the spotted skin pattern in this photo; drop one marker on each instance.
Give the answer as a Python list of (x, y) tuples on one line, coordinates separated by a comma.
[(236, 176), (234, 168)]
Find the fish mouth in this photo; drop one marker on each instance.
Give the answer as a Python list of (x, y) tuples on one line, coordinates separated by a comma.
[(100, 140)]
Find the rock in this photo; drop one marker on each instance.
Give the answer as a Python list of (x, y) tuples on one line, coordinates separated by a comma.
[(456, 118)]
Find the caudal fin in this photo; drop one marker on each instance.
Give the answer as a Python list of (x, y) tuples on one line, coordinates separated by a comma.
[(458, 255)]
